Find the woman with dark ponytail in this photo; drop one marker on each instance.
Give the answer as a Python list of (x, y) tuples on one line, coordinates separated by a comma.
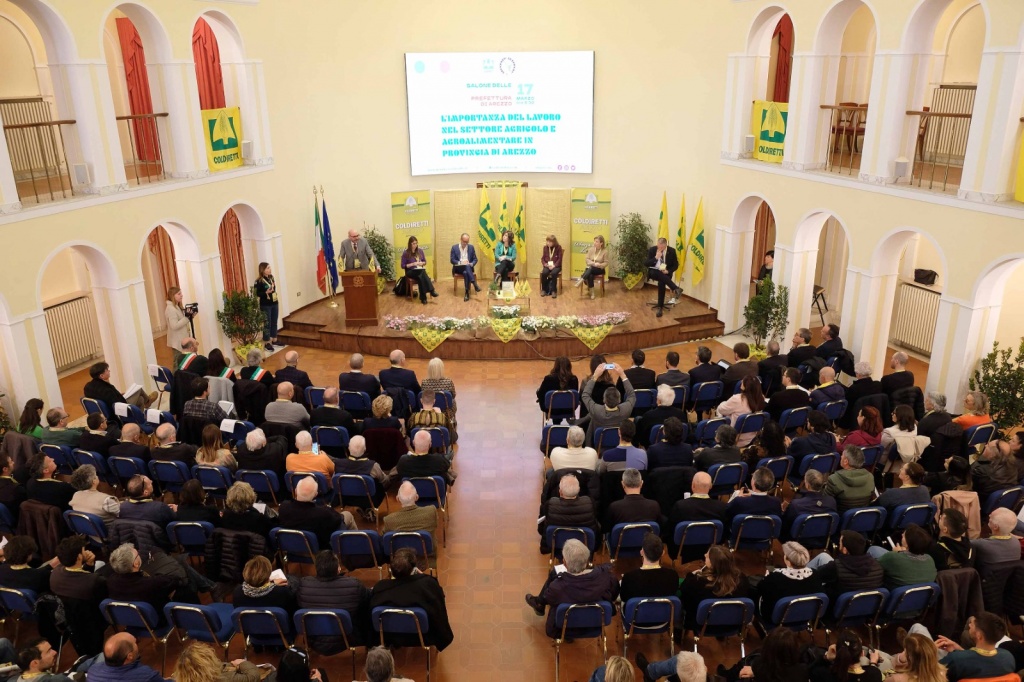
[(842, 662)]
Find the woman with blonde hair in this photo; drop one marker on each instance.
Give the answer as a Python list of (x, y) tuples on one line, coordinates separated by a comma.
[(382, 418), (437, 382), (615, 669), (597, 262), (212, 451), (918, 662), (198, 662), (975, 410), (177, 323)]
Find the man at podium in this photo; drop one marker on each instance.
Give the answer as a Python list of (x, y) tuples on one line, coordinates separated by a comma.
[(356, 252)]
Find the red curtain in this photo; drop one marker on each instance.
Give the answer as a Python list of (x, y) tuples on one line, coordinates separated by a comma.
[(160, 246), (208, 74), (764, 237), (784, 63), (139, 99), (232, 258)]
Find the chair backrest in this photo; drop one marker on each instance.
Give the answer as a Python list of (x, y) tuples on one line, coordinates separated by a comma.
[(680, 400), (440, 437), (707, 392), (871, 455), (356, 402), (199, 622), (779, 466), (331, 436), (324, 623), (18, 601), (561, 402), (190, 535), (82, 523), (292, 478), (909, 602), (314, 396), (826, 463), (627, 539), (354, 486), (98, 461), (606, 438), (645, 400), (724, 617), (355, 546), (554, 436), (650, 614), (920, 513), (583, 620), (163, 376), (238, 432), (979, 435), (263, 624), (419, 541), (752, 422), (801, 612), (726, 477), (834, 409), (858, 608), (137, 617), (698, 533), (215, 479), (1010, 498), (865, 520), (392, 620), (432, 490), (92, 405), (296, 545), (61, 456), (171, 475), (557, 536), (7, 522), (707, 428), (442, 400), (814, 531), (262, 480), (754, 531), (793, 418)]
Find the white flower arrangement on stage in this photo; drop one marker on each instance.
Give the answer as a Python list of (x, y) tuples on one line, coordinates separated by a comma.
[(530, 324), (505, 312)]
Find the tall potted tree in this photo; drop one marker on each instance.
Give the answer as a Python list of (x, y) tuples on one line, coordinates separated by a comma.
[(1000, 376), (242, 321), (767, 314), (632, 235)]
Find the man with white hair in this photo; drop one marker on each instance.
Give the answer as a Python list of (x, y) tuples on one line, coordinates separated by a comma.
[(421, 462), (862, 385), (688, 666), (568, 509), (410, 516), (657, 416), (827, 389), (770, 369), (307, 460), (397, 376), (259, 452), (168, 449), (356, 253), (357, 464), (901, 377), (332, 414), (576, 585), (129, 583), (355, 381), (303, 513), (574, 455), (295, 376), (935, 415), (285, 410), (1001, 545)]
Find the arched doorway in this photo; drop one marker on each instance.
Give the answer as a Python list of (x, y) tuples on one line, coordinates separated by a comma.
[(764, 242), (160, 272), (252, 245), (232, 254), (815, 271)]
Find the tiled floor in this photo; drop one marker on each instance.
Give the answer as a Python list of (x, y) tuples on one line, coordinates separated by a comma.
[(492, 556)]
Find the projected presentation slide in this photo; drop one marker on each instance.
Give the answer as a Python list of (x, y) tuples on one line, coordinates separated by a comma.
[(481, 112)]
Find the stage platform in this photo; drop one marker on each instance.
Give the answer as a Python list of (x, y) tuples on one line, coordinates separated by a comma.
[(319, 326)]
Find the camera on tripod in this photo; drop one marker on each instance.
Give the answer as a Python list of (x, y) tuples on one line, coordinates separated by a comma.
[(191, 310)]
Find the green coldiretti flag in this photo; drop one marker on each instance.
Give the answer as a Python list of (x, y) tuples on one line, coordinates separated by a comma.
[(696, 246), (503, 214), (681, 240), (663, 218), (485, 232), (519, 228)]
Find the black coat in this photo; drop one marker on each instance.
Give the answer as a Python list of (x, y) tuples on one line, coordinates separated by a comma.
[(639, 377), (297, 378), (787, 399), (99, 389), (799, 355), (672, 377), (633, 509), (357, 381), (829, 348), (270, 457), (897, 380), (705, 372), (416, 590), (671, 261), (655, 417), (399, 377), (550, 383)]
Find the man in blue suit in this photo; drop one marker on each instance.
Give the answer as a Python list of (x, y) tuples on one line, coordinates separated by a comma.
[(756, 501), (463, 257), (661, 264)]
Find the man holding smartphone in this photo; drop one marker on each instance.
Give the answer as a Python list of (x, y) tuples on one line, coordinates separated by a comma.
[(616, 409)]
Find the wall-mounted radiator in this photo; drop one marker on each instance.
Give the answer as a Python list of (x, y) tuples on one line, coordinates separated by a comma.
[(917, 311), (72, 332)]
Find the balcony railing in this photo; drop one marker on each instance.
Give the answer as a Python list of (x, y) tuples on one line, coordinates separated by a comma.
[(846, 127), (39, 159), (940, 147), (147, 161)]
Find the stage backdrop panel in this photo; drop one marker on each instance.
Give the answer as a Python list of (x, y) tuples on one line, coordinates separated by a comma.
[(591, 216), (410, 217), (547, 212), (455, 212)]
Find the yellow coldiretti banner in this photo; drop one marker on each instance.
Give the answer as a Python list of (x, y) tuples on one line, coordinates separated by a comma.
[(768, 123), (591, 215), (222, 129), (410, 217)]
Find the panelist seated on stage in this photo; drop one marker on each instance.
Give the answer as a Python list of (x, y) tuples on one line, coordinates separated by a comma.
[(661, 264), (356, 253), (414, 262), (463, 259), (550, 266), (597, 262), (505, 256)]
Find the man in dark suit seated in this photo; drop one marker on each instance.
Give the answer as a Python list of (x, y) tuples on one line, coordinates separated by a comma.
[(130, 445), (862, 385), (790, 397), (12, 493), (900, 377), (827, 390), (303, 513), (742, 366), (397, 376), (100, 388), (802, 349), (757, 500), (634, 507), (724, 452), (331, 414), (463, 259), (261, 453), (355, 381), (935, 415), (809, 500), (672, 376), (97, 439), (661, 264), (191, 360), (170, 450), (43, 487), (638, 375), (697, 507), (295, 376), (657, 415), (569, 509), (830, 342), (770, 369), (141, 506), (704, 371)]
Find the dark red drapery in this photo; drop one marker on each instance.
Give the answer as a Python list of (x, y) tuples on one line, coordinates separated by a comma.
[(784, 63), (232, 258), (208, 73), (139, 99)]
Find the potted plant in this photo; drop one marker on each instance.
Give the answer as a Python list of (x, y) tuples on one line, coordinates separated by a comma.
[(632, 235), (767, 313), (383, 252), (1001, 378), (242, 321)]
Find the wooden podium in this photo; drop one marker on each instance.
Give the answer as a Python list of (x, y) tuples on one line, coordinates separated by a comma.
[(360, 297)]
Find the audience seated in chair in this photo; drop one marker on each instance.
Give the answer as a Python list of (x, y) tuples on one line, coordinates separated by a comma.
[(382, 417), (852, 569), (421, 462), (790, 397), (868, 433), (808, 499), (97, 438), (1001, 545), (827, 390), (560, 378), (213, 452), (641, 377), (576, 585), (742, 365), (17, 573), (755, 500), (634, 507), (651, 579), (57, 431), (724, 451), (672, 376), (304, 459), (295, 376), (411, 517), (662, 411), (429, 415), (332, 414), (141, 506), (670, 450), (44, 487), (718, 578), (615, 409), (201, 407), (89, 499), (801, 350), (790, 581), (749, 399), (303, 513), (909, 563), (408, 587), (862, 386), (625, 455), (331, 589), (38, 663), (259, 452), (995, 469), (253, 372), (910, 490), (259, 591), (100, 388), (697, 507), (852, 486), (358, 464), (569, 509), (397, 376), (771, 367), (130, 444), (81, 590), (356, 381), (704, 371), (240, 514), (192, 505), (129, 583), (285, 410), (830, 342), (12, 492), (818, 441), (953, 547), (901, 377), (900, 442), (168, 449)]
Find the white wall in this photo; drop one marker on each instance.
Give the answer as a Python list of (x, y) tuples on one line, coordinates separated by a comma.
[(858, 56), (1011, 316), (17, 68), (830, 271), (66, 274), (963, 52)]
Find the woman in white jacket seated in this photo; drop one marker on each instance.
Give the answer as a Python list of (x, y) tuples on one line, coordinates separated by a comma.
[(900, 442), (749, 399)]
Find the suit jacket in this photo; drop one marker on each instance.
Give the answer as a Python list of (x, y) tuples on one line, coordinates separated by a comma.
[(829, 348), (787, 399), (671, 261), (297, 378), (897, 380), (640, 377), (805, 502), (633, 509), (736, 372), (130, 450), (708, 457), (399, 377), (752, 504), (357, 381), (770, 370), (182, 452), (705, 372), (361, 251), (654, 417), (333, 416), (860, 388), (672, 377), (932, 421), (800, 355), (692, 509), (99, 389), (456, 255)]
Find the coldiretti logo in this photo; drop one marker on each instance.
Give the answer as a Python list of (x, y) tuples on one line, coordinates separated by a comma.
[(773, 124), (223, 136)]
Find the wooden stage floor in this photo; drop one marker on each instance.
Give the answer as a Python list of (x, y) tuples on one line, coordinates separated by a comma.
[(319, 326)]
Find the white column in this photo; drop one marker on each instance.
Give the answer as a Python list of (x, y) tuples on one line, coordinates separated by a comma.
[(794, 268), (804, 146), (992, 147), (963, 335), (867, 313), (30, 369), (199, 285), (123, 317), (729, 283), (739, 84), (245, 78), (181, 133)]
